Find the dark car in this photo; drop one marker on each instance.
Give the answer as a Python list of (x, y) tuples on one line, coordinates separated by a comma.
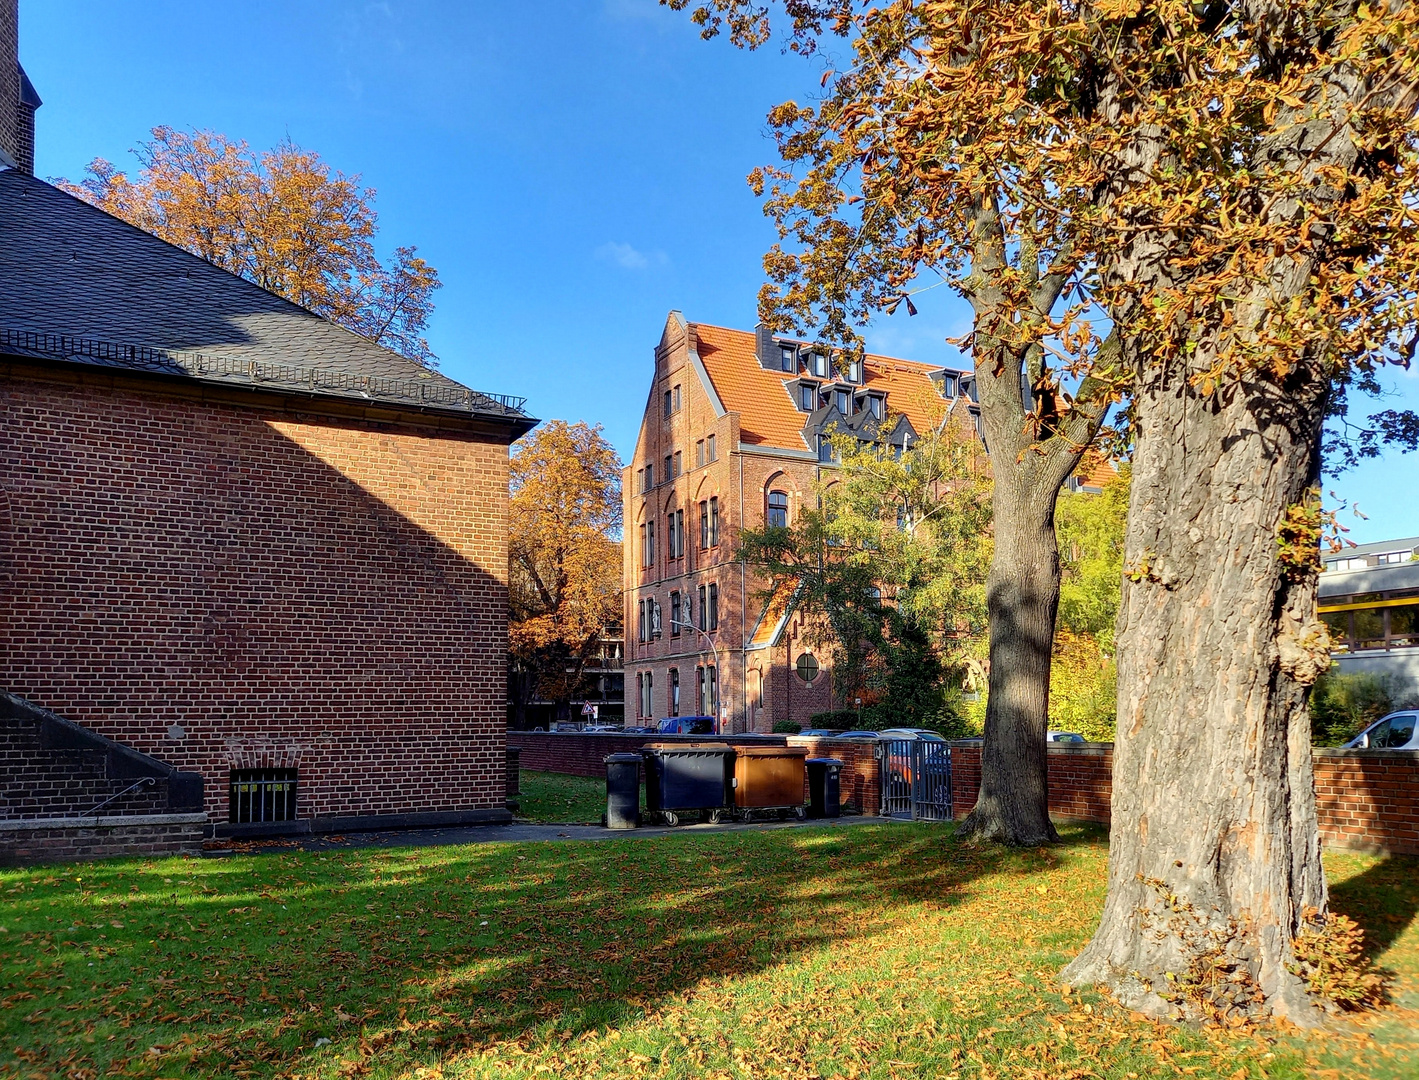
[(822, 732), (638, 730), (857, 735), (686, 725)]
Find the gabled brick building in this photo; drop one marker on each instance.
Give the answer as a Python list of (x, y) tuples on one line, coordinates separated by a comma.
[(239, 538), (734, 434)]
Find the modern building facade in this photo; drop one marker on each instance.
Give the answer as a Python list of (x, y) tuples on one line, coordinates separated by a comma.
[(1369, 601), (734, 435)]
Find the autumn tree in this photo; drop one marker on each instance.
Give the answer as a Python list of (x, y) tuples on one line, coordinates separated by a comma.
[(282, 219), (892, 562), (1230, 191), (564, 561)]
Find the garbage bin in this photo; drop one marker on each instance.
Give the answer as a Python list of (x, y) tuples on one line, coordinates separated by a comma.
[(687, 776), (769, 778), (623, 791), (824, 787)]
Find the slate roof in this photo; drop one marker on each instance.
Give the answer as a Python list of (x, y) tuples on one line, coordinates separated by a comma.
[(81, 286)]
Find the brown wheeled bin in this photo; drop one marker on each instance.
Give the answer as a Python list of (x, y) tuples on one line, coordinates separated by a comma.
[(769, 778)]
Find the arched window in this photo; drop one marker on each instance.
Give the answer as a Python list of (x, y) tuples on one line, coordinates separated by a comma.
[(778, 510)]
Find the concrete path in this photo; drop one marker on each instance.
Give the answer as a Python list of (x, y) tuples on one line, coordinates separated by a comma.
[(520, 832)]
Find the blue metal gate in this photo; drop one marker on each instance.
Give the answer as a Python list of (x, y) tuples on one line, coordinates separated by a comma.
[(916, 779)]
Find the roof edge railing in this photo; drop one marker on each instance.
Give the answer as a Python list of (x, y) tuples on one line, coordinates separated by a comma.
[(290, 376)]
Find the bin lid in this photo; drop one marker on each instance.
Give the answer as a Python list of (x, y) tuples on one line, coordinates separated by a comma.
[(686, 748), (830, 761), (623, 758), (772, 751)]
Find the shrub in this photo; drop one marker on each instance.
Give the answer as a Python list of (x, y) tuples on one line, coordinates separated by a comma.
[(786, 727), (841, 719)]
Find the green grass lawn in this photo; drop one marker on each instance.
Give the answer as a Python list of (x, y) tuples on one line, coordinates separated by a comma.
[(871, 951), (558, 799)]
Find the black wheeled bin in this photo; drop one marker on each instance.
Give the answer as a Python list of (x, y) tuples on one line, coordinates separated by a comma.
[(688, 776), (623, 791), (824, 787)]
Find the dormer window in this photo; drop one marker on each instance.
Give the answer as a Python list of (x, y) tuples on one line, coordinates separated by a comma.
[(818, 364), (874, 405), (854, 371), (788, 358), (808, 397), (948, 385), (843, 400)]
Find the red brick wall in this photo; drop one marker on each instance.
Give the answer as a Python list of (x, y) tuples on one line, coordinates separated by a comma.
[(222, 588), (1365, 799)]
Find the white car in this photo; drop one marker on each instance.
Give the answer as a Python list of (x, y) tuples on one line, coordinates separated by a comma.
[(1395, 732), (1064, 736)]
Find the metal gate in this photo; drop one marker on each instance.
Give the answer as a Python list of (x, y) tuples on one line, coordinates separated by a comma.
[(916, 779)]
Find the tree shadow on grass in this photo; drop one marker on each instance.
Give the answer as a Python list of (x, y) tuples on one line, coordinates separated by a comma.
[(1382, 900), (419, 953)]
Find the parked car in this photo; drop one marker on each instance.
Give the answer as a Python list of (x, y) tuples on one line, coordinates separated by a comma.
[(858, 735), (639, 730), (911, 733), (822, 732), (686, 725), (603, 727), (1064, 736), (1394, 732)]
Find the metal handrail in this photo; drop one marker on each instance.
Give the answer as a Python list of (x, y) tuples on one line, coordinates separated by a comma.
[(148, 780), (287, 375)]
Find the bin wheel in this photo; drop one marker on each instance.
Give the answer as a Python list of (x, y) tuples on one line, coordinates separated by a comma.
[(671, 818), (747, 816), (716, 816), (801, 813)]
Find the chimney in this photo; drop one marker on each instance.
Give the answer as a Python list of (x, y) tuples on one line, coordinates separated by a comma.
[(18, 99), (765, 349)]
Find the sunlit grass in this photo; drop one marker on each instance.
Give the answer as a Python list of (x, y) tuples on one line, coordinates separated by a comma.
[(870, 951)]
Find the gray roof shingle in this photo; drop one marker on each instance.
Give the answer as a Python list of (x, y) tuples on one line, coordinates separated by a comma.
[(81, 286)]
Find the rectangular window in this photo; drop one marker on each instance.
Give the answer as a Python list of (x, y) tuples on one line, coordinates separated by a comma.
[(713, 690), (667, 404), (640, 621), (854, 371), (788, 358), (650, 543), (258, 795), (709, 448), (844, 403), (675, 471), (699, 453), (674, 614), (706, 690), (820, 365), (825, 449), (713, 617), (807, 397), (674, 691), (948, 386), (645, 546), (646, 702), (680, 533), (874, 405), (649, 477), (640, 694), (666, 473), (703, 607), (704, 526), (714, 521), (675, 406)]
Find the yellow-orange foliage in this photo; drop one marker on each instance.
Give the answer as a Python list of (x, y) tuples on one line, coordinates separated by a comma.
[(282, 219)]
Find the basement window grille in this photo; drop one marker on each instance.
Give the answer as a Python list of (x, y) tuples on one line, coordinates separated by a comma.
[(262, 795)]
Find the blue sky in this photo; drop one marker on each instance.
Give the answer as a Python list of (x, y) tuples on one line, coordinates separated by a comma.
[(573, 175)]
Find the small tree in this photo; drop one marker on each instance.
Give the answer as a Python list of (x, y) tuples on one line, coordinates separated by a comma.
[(564, 572), (282, 219), (893, 561)]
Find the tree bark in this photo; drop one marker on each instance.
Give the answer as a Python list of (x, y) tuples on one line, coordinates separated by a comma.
[(1213, 849), (1022, 597)]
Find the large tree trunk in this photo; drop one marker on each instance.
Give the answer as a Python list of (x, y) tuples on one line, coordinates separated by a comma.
[(1022, 600), (1213, 851)]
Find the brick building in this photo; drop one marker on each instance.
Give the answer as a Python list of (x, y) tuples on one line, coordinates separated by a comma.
[(734, 435), (237, 537)]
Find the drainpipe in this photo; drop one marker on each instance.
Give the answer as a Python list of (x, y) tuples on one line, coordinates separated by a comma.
[(743, 604)]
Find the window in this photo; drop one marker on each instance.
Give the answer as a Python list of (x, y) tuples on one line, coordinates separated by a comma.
[(680, 534), (640, 621), (818, 364), (714, 521), (844, 402), (948, 385), (674, 691), (704, 525), (854, 371), (874, 406), (261, 795), (674, 614), (778, 509), (672, 550), (825, 450), (640, 694), (646, 690), (709, 448), (788, 358), (650, 543), (808, 397), (675, 397), (668, 459), (712, 619), (1401, 730), (706, 690), (699, 453), (649, 477), (646, 559), (807, 667), (703, 607), (676, 469), (667, 404)]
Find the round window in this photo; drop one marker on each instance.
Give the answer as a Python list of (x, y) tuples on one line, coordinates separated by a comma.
[(807, 667)]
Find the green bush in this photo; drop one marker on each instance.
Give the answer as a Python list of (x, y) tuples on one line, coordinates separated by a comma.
[(786, 727), (838, 719), (1345, 703)]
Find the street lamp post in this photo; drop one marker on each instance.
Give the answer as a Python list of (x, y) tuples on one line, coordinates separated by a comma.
[(718, 669)]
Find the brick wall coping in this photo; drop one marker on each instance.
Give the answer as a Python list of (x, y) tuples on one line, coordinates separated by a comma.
[(103, 821), (1344, 753)]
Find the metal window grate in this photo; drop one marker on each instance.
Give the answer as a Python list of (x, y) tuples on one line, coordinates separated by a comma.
[(261, 795)]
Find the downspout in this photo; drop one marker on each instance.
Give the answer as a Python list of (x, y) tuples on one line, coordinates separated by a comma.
[(743, 603)]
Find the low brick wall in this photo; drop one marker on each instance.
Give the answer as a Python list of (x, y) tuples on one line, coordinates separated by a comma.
[(1366, 800), (50, 840), (580, 753)]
